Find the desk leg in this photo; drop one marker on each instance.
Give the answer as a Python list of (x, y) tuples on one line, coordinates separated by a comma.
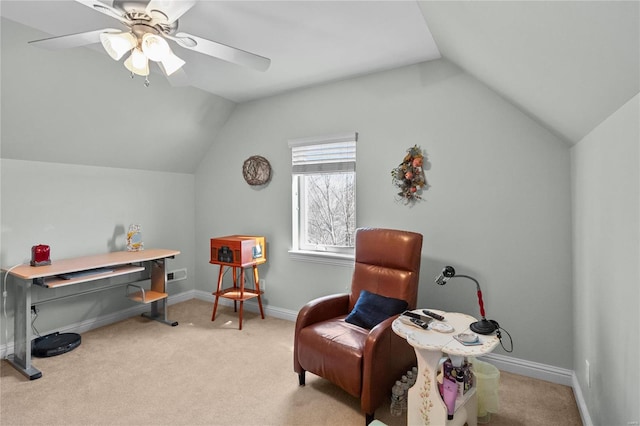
[(21, 357), (159, 284)]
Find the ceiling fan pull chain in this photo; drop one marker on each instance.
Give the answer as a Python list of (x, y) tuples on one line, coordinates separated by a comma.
[(146, 81)]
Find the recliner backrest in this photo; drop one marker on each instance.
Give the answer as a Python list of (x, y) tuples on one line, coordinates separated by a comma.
[(387, 262)]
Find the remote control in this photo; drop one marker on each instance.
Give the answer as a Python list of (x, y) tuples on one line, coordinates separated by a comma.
[(423, 325), (414, 322), (412, 315), (433, 315)]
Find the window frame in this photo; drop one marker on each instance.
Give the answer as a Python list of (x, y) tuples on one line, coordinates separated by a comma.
[(298, 251)]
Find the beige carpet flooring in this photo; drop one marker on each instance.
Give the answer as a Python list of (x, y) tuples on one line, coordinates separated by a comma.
[(142, 372)]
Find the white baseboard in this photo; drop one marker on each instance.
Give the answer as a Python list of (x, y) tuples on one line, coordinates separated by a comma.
[(531, 369), (582, 404), (522, 367)]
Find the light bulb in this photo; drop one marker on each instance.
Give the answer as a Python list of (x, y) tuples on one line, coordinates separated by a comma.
[(138, 58), (117, 45), (155, 47), (137, 63)]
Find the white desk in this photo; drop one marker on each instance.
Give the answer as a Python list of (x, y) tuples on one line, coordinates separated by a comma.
[(150, 263), (425, 406)]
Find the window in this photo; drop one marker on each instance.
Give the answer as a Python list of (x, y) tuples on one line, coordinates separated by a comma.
[(323, 172)]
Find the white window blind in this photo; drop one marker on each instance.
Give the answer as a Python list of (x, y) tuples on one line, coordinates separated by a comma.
[(327, 154)]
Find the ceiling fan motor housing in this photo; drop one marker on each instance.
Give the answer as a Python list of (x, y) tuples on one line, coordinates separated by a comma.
[(142, 21)]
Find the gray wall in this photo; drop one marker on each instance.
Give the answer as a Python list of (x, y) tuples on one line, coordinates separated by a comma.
[(498, 207), (85, 210), (606, 212)]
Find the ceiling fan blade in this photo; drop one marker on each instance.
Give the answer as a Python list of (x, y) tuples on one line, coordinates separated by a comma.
[(178, 78), (107, 10), (221, 51), (172, 9), (73, 40)]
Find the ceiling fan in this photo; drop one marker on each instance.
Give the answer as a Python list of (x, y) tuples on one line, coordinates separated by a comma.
[(150, 23)]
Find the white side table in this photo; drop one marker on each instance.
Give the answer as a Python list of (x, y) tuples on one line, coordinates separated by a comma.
[(425, 405)]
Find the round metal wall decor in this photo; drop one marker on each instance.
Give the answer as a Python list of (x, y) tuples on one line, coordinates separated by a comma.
[(256, 170)]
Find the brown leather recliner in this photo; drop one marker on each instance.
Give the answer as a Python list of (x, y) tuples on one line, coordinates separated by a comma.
[(365, 363)]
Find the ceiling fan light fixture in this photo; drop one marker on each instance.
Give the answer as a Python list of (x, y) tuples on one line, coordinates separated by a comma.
[(118, 44), (171, 63), (137, 63), (151, 24), (155, 47)]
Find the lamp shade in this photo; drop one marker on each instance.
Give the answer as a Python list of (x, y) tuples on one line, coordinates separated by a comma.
[(155, 47), (117, 45), (171, 63), (137, 63)]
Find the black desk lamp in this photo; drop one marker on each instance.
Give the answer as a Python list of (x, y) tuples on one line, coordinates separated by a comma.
[(484, 326)]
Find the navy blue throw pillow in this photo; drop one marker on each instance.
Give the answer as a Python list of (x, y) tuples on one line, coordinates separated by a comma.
[(371, 309)]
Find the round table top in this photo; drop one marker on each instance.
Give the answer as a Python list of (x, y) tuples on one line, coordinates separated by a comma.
[(444, 341)]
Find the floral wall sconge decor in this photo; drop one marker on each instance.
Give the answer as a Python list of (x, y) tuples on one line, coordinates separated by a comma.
[(409, 176)]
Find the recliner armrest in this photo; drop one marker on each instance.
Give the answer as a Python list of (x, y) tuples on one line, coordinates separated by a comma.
[(321, 309), (378, 332)]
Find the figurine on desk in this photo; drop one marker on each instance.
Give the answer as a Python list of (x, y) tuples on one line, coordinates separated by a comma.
[(40, 255), (134, 238)]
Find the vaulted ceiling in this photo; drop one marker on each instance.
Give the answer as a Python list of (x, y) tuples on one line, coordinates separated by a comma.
[(308, 42), (567, 64)]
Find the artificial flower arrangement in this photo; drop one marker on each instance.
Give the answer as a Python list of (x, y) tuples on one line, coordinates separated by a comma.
[(409, 176)]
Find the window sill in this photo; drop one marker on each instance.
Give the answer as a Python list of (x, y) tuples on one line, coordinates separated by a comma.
[(334, 259)]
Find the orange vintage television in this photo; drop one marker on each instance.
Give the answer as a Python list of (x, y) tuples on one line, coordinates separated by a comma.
[(238, 250)]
